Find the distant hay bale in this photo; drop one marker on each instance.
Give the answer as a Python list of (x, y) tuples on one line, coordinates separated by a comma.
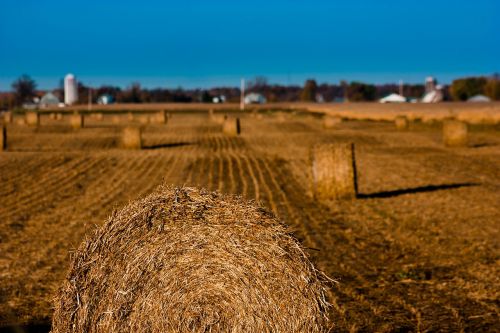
[(401, 123), (52, 116), (7, 117), (454, 133), (98, 116), (76, 121), (21, 121), (334, 171), (144, 119), (115, 119), (131, 137), (32, 118), (59, 116), (161, 117), (188, 260), (130, 116), (331, 121), (3, 138), (231, 126)]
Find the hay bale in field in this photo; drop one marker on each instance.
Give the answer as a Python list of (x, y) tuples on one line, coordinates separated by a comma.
[(331, 121), (32, 118), (115, 119), (334, 171), (144, 119), (231, 126), (132, 137), (188, 260), (20, 121), (76, 121), (3, 138), (7, 117), (161, 117), (59, 116), (98, 116), (401, 123), (52, 116), (130, 116), (454, 133)]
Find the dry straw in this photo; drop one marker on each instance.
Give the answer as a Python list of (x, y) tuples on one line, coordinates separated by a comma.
[(59, 116), (131, 137), (401, 123), (187, 260), (32, 118), (161, 117), (454, 133), (7, 117), (334, 171)]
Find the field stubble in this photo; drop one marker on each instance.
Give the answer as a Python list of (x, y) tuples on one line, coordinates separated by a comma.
[(417, 251)]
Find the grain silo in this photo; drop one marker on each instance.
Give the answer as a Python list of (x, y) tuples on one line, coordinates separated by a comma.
[(70, 89)]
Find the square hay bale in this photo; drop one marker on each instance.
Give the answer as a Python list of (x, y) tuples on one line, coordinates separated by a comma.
[(334, 171), (331, 121), (3, 138), (76, 121), (401, 123), (32, 118), (454, 133), (131, 137), (231, 126)]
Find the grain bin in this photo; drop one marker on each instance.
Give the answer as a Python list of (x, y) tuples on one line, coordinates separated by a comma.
[(131, 137), (454, 133), (333, 171), (189, 260)]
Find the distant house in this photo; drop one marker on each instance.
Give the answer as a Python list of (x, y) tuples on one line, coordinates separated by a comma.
[(254, 98), (479, 99), (393, 98), (105, 99), (48, 100)]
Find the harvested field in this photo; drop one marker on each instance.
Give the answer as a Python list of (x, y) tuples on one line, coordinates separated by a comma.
[(417, 250)]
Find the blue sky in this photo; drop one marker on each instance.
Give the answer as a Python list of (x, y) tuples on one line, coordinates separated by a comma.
[(195, 43)]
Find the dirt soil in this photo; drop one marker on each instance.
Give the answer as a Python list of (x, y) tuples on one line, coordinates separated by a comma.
[(417, 250)]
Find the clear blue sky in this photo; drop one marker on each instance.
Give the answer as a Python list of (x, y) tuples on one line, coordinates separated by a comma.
[(201, 43)]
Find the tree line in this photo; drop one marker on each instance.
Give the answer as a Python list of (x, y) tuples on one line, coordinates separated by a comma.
[(24, 89)]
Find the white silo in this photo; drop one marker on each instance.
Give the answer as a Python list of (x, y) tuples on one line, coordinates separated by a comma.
[(70, 89)]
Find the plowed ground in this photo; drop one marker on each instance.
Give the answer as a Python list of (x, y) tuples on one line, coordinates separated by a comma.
[(417, 251)]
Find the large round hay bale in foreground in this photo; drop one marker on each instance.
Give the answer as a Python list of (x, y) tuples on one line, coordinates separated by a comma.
[(334, 171), (76, 121), (454, 133), (187, 260), (401, 123), (231, 126), (32, 118), (131, 137)]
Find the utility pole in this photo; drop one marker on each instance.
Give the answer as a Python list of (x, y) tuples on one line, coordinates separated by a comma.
[(242, 97)]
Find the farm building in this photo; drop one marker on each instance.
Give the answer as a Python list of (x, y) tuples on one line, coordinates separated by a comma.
[(254, 98), (105, 99), (479, 99), (393, 98), (49, 99), (434, 96)]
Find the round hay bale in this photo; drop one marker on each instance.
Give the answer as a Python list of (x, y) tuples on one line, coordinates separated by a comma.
[(187, 260), (59, 116), (231, 126), (52, 116), (454, 133), (7, 117), (98, 116), (334, 171), (331, 121), (32, 118), (132, 137), (401, 123), (115, 119), (3, 138), (20, 121), (161, 117), (76, 121)]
